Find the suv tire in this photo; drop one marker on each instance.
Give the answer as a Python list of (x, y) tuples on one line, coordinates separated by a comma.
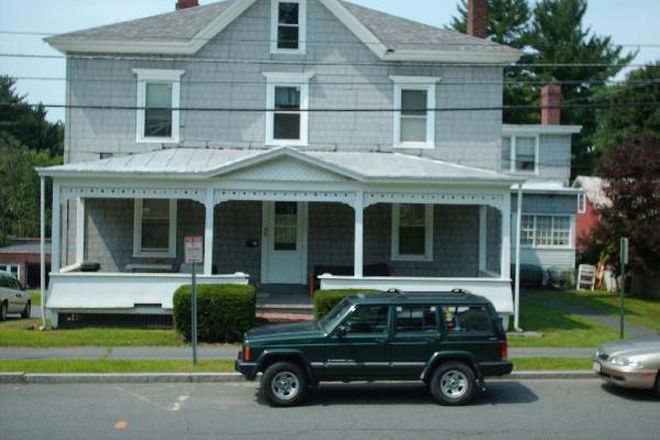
[(25, 314), (284, 384), (453, 383), (3, 311)]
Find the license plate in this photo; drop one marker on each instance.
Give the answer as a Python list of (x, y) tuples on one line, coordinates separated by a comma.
[(597, 367)]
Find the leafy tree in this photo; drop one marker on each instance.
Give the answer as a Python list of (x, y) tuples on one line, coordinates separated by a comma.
[(631, 170)]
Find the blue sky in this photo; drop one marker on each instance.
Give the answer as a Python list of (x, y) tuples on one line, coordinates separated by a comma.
[(628, 22)]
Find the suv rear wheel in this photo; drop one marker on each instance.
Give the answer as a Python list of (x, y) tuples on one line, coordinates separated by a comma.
[(453, 383), (284, 384)]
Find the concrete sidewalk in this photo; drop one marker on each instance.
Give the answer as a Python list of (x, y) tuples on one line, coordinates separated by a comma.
[(226, 351)]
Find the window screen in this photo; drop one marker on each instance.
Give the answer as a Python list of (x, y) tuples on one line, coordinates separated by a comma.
[(287, 113), (525, 153), (155, 225)]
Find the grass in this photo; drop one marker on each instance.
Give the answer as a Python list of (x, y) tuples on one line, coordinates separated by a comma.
[(116, 366), (35, 297), (219, 366), (25, 333)]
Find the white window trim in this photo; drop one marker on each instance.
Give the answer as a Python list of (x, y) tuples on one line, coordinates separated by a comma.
[(427, 84), (302, 27), (428, 230), (8, 267), (513, 153), (571, 232), (582, 203), (172, 77), (284, 79), (137, 233)]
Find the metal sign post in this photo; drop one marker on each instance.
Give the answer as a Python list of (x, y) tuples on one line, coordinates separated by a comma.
[(623, 255), (194, 253)]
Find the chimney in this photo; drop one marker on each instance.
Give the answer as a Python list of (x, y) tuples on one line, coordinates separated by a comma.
[(185, 4), (551, 97), (477, 19)]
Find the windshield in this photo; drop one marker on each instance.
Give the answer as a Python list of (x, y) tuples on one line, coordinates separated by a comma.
[(330, 321)]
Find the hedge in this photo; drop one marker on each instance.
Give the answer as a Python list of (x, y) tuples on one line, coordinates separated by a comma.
[(224, 311), (325, 300)]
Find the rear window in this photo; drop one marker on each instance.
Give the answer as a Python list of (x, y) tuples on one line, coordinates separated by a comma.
[(416, 319), (467, 319)]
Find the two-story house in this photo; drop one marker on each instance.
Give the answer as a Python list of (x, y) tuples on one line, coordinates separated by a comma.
[(307, 141)]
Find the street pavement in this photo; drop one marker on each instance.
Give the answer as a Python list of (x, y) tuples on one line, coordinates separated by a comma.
[(538, 409), (225, 351)]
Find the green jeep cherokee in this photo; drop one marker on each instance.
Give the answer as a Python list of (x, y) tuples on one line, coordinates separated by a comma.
[(449, 340)]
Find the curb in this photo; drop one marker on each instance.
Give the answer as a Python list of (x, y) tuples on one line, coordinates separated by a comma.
[(91, 378)]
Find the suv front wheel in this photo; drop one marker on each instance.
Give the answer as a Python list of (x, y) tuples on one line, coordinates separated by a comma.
[(284, 384), (453, 383)]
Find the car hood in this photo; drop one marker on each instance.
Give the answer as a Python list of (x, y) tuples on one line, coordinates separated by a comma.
[(632, 347), (280, 331)]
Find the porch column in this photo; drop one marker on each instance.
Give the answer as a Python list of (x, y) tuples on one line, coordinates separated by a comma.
[(208, 232), (42, 249), (80, 230), (358, 251), (483, 238), (505, 258), (56, 235), (516, 288)]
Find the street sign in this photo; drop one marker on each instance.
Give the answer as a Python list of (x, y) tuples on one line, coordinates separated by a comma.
[(193, 249), (623, 251), (623, 256)]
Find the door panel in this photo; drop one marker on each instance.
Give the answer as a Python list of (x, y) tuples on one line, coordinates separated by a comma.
[(417, 335), (284, 256)]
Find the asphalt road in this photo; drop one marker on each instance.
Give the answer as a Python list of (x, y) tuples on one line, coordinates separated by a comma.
[(531, 409)]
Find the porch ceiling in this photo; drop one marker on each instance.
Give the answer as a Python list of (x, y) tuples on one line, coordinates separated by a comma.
[(192, 163)]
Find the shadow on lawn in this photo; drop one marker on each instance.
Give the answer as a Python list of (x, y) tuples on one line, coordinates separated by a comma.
[(537, 315), (583, 305)]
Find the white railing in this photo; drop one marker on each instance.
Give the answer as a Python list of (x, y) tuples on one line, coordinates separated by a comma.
[(496, 290)]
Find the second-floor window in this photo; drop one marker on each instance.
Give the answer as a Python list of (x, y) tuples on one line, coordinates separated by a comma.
[(520, 154), (158, 97), (287, 103), (414, 116), (288, 23)]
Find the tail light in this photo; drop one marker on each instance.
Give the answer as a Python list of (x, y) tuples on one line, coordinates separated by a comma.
[(504, 350), (246, 353)]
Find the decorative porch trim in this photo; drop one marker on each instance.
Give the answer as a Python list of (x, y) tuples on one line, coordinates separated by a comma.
[(225, 195), (120, 192), (497, 201)]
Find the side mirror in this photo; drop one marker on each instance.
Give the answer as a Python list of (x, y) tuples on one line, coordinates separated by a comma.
[(341, 331)]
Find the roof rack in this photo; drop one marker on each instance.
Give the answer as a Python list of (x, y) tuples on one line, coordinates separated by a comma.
[(460, 290), (397, 292)]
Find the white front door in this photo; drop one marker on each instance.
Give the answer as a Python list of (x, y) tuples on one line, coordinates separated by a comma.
[(284, 239)]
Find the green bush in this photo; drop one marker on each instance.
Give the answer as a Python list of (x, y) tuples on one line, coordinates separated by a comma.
[(325, 300), (224, 312)]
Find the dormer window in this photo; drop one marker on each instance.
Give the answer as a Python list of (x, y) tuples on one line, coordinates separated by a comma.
[(288, 26)]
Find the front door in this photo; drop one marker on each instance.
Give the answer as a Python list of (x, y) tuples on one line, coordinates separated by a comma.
[(284, 256)]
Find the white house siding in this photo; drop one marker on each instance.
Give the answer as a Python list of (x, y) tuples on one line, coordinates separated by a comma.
[(472, 138)]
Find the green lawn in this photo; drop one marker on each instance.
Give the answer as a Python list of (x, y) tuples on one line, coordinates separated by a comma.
[(35, 297), (219, 366), (25, 333)]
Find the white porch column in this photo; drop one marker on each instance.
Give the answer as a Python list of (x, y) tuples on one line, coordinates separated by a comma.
[(516, 295), (80, 230), (505, 258), (208, 232), (56, 235), (358, 251), (483, 238), (42, 248)]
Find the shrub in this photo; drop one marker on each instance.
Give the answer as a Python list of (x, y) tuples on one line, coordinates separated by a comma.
[(325, 300), (224, 312)]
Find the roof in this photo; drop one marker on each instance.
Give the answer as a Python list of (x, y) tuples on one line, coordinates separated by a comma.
[(540, 129), (545, 187), (26, 247), (195, 163), (462, 297), (593, 189), (186, 31)]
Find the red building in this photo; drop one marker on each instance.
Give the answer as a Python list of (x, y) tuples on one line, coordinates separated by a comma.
[(591, 199), (21, 257)]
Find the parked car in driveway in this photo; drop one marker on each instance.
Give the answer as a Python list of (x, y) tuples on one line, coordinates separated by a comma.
[(13, 298), (448, 340), (630, 364)]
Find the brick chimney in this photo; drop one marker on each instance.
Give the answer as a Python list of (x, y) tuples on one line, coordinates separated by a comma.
[(185, 4), (477, 19), (551, 97)]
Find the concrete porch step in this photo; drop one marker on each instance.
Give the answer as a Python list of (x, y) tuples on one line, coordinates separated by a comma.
[(284, 317), (278, 306)]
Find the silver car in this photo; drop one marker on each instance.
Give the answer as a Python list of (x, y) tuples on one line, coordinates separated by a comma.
[(13, 299), (630, 364)]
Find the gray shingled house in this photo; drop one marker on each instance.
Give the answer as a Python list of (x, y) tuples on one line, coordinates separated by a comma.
[(308, 141)]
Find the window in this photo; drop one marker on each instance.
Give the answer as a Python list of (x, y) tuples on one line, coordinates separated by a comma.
[(467, 319), (154, 228), (367, 320), (158, 95), (416, 319), (414, 118), (581, 203), (287, 104), (285, 226), (13, 269), (288, 26), (546, 231), (412, 232), (520, 154)]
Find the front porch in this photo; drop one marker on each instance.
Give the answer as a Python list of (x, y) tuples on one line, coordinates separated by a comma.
[(284, 219)]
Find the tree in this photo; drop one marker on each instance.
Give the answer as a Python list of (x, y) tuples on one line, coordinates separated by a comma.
[(629, 119), (632, 171), (508, 21)]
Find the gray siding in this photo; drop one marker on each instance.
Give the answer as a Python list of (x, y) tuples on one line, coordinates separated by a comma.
[(555, 157), (493, 240), (347, 75), (236, 223), (545, 204)]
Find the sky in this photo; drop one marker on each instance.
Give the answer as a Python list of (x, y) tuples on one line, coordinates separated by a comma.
[(631, 22)]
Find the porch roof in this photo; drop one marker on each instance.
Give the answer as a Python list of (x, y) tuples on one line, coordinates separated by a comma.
[(194, 163)]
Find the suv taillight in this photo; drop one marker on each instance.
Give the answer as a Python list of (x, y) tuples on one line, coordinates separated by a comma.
[(246, 353), (504, 350)]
